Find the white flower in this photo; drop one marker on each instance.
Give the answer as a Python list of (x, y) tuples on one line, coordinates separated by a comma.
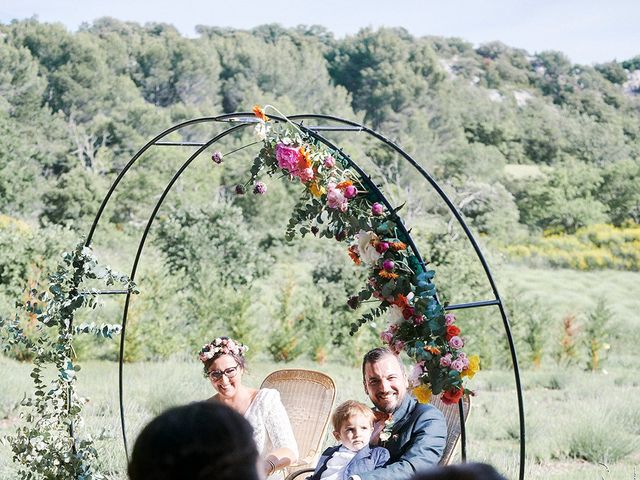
[(394, 314), (260, 130), (366, 249)]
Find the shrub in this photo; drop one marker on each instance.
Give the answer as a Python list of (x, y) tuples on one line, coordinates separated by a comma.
[(601, 441)]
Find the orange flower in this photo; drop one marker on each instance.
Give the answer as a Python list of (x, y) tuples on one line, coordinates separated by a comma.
[(345, 184), (432, 350), (388, 275), (401, 301), (398, 246), (305, 159), (353, 253), (258, 112)]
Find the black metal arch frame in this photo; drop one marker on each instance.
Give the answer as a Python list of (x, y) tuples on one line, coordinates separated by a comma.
[(241, 120)]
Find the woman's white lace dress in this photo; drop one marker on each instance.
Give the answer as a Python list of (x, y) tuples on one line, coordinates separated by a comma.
[(271, 426)]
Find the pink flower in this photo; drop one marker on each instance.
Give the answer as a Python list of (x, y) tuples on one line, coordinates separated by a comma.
[(397, 346), (457, 364), (350, 191), (305, 174), (260, 188), (329, 162), (416, 373), (449, 319), (377, 209), (445, 361), (287, 157), (335, 198), (418, 320), (388, 265), (386, 337), (456, 343)]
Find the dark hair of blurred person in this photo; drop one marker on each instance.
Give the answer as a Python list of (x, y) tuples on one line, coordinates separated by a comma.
[(199, 441), (464, 471)]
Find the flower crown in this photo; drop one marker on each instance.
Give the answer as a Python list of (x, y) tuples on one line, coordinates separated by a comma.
[(221, 346)]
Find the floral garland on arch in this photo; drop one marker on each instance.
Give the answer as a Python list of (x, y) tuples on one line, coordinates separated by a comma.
[(336, 204)]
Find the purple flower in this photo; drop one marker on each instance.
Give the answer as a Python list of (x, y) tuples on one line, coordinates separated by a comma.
[(449, 319), (377, 209), (382, 247), (445, 361), (341, 235), (456, 343), (217, 157), (457, 364), (329, 162), (287, 157), (240, 189), (388, 265), (350, 192), (260, 188)]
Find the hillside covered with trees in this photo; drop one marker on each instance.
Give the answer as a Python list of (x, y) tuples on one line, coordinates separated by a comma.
[(542, 157)]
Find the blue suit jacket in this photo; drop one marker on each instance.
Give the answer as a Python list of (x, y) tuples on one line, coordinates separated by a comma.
[(365, 460), (418, 438)]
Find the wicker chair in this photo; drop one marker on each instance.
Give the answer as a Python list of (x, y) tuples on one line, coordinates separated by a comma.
[(452, 417), (308, 397)]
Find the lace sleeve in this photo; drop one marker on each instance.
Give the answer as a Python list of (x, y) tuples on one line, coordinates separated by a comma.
[(277, 423)]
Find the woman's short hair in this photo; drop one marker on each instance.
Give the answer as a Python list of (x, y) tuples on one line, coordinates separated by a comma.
[(346, 410), (203, 441)]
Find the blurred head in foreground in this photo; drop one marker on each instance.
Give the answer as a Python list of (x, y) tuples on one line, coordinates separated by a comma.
[(465, 471), (199, 441)]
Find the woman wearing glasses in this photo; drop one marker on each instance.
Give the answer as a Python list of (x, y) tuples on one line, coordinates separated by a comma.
[(224, 365)]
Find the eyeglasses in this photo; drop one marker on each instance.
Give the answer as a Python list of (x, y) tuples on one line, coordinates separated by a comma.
[(216, 375)]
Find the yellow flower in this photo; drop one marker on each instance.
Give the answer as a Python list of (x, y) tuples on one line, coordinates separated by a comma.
[(422, 393), (474, 367), (317, 190)]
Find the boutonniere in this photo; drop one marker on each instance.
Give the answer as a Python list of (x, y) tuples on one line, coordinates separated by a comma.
[(385, 434)]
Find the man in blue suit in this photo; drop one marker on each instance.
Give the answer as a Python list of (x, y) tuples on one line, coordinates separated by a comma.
[(417, 433)]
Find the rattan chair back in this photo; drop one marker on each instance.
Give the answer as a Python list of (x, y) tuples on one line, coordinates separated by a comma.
[(308, 396), (452, 416)]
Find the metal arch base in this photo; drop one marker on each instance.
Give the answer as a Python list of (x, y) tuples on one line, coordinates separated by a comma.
[(243, 119)]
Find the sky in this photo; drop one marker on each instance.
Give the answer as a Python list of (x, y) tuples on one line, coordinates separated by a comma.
[(587, 31)]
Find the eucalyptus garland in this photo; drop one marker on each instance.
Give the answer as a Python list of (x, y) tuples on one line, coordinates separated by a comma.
[(48, 444)]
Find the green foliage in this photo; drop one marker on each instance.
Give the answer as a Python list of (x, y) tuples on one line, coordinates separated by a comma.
[(215, 240), (595, 247), (48, 445), (597, 331)]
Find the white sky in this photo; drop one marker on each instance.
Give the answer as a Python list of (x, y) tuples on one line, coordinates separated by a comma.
[(588, 31)]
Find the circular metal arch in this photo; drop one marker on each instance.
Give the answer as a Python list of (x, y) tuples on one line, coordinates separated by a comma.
[(241, 120)]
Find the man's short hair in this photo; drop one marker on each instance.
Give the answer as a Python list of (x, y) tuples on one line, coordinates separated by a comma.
[(348, 409), (377, 354)]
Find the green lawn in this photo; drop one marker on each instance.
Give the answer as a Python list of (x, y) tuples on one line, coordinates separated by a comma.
[(570, 413)]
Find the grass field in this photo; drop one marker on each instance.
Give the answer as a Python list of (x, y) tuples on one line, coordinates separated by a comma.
[(580, 425)]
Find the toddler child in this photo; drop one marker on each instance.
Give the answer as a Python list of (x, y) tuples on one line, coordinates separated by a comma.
[(352, 426)]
